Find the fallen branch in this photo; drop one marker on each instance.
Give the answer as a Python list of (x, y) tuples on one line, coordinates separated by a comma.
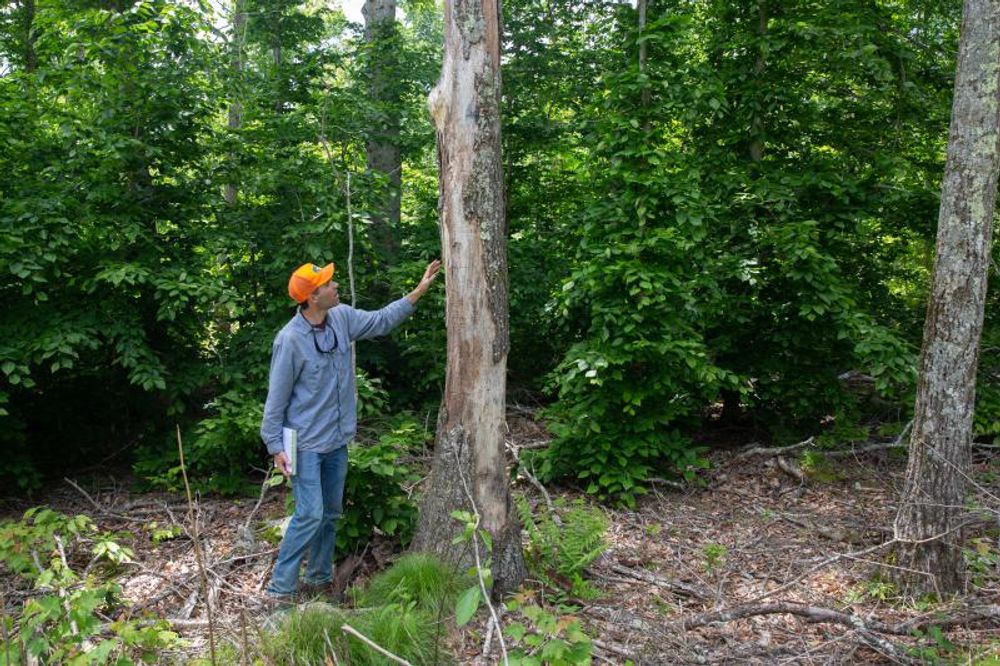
[(773, 451), (791, 470), (611, 647), (867, 630), (676, 485), (623, 619), (825, 563), (836, 453), (677, 587), (832, 533), (545, 494), (100, 509)]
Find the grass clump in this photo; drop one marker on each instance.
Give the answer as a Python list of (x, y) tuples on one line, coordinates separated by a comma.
[(302, 637), (423, 579), (402, 610), (403, 629)]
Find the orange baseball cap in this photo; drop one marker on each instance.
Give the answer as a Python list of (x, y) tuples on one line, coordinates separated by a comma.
[(306, 278)]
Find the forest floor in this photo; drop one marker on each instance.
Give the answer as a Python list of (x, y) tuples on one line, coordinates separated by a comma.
[(763, 563)]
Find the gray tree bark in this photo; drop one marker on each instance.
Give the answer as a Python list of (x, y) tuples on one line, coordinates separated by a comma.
[(931, 509), (383, 150), (236, 64), (469, 462), (28, 35)]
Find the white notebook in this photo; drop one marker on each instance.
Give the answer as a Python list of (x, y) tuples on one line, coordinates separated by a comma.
[(290, 440)]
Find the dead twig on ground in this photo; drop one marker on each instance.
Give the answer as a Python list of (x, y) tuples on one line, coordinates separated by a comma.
[(611, 647), (791, 469), (772, 451), (378, 648), (101, 509), (199, 556), (867, 630), (677, 587)]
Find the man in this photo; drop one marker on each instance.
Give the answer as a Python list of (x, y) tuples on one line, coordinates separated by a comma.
[(311, 391)]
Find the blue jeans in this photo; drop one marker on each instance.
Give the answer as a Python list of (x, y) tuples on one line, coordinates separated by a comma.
[(318, 488)]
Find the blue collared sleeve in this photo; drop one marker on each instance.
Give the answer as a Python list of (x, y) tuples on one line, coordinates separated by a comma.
[(279, 391), (362, 324)]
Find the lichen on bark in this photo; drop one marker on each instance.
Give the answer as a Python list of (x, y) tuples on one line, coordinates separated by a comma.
[(484, 205), (471, 24)]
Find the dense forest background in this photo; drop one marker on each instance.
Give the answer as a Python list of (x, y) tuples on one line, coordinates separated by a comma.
[(718, 213)]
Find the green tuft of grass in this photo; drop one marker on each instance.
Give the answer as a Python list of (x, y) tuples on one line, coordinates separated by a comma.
[(403, 629), (302, 637), (423, 579)]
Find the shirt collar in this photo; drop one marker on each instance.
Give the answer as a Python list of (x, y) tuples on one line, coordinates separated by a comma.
[(301, 324)]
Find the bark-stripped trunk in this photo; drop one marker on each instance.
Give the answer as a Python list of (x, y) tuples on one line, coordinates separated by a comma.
[(930, 512), (383, 150), (235, 106), (469, 453)]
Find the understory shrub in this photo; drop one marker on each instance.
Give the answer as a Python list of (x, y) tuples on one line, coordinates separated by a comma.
[(374, 497), (220, 449), (541, 637), (70, 565)]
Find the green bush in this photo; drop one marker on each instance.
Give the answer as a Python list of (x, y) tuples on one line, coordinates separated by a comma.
[(60, 622), (374, 498), (544, 638)]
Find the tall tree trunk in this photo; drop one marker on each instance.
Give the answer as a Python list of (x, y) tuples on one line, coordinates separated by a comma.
[(383, 150), (236, 66), (929, 518), (28, 28), (642, 6), (757, 124), (469, 453)]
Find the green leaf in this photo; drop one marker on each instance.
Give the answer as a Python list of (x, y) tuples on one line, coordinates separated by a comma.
[(467, 604)]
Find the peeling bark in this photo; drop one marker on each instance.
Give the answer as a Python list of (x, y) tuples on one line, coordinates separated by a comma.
[(469, 453), (931, 508)]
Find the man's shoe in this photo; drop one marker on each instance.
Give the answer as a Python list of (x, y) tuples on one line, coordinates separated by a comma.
[(272, 603), (324, 592)]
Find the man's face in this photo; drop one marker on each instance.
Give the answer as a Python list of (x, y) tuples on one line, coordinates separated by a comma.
[(327, 296)]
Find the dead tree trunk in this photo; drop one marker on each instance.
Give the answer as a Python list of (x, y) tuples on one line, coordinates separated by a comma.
[(469, 461), (930, 512)]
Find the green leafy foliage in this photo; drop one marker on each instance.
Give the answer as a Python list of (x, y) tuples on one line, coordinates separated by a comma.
[(374, 497), (545, 638), (60, 621), (557, 554)]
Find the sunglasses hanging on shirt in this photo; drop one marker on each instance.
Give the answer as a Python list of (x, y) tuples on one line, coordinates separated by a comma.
[(316, 340)]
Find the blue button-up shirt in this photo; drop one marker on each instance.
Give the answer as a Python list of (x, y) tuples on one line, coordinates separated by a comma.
[(312, 390)]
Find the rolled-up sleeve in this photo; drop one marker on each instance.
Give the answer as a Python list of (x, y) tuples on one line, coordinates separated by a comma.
[(279, 391), (362, 324)]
